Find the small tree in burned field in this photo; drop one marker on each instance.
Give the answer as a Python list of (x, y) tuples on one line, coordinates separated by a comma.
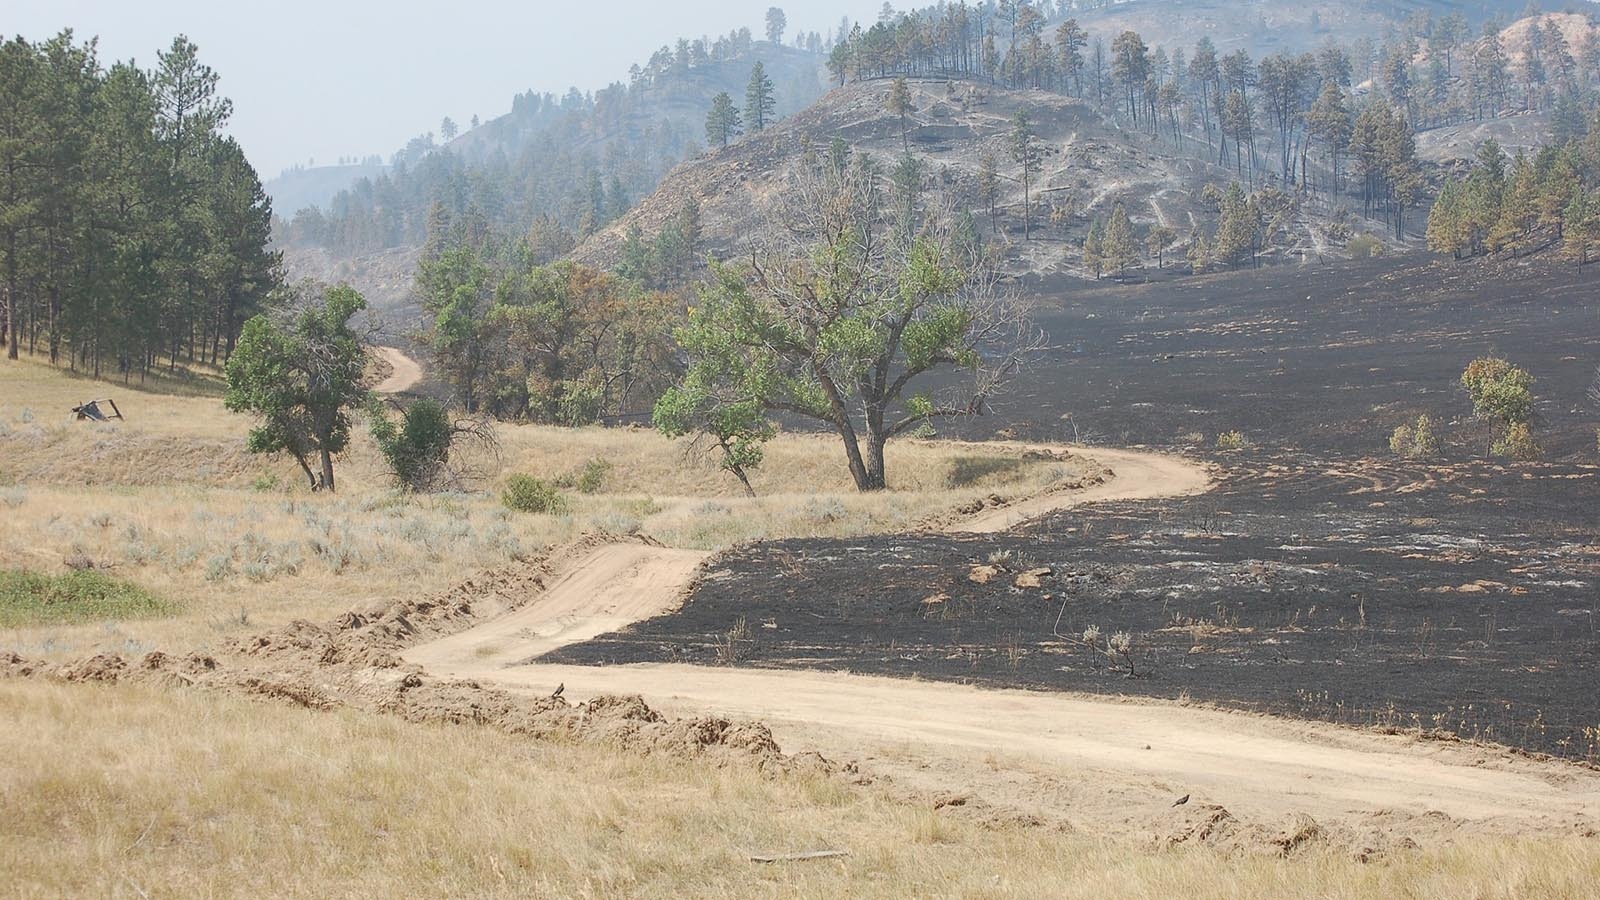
[(837, 311), (1503, 394)]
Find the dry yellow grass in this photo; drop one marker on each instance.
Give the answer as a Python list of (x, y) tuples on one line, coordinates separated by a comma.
[(184, 794), (170, 500)]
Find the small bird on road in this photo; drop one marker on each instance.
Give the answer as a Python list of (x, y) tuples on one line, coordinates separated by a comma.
[(1182, 800), (563, 686)]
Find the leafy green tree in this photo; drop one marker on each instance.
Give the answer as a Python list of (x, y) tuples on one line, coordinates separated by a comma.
[(777, 22), (722, 121), (300, 374), (832, 318), (721, 398), (1500, 391), (457, 288), (759, 104)]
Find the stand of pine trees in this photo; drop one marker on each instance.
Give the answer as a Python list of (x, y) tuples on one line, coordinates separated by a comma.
[(1524, 204), (132, 233)]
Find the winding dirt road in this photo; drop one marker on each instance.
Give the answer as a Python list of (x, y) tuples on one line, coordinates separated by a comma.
[(404, 371), (1089, 758)]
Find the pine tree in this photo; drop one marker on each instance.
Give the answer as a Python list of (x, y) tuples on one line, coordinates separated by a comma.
[(777, 22), (1119, 251), (1025, 149), (1157, 241), (1519, 211), (1236, 229), (722, 121), (899, 104), (1447, 231), (989, 188), (1583, 226), (1094, 249), (758, 102), (1199, 252), (1329, 122)]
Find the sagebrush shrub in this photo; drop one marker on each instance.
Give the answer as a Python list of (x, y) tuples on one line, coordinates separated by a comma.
[(525, 493), (593, 476), (1231, 440)]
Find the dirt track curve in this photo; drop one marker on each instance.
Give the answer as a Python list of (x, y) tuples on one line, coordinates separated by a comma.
[(404, 373), (1101, 759)]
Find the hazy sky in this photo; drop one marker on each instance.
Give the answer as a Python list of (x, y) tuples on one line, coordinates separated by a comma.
[(335, 78)]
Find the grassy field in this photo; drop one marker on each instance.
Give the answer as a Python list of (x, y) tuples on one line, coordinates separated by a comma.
[(170, 501), (181, 794), (31, 598)]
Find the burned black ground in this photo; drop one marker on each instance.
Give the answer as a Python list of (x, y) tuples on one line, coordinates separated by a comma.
[(1323, 577)]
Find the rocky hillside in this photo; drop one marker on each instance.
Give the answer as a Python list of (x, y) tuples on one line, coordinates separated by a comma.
[(1089, 166)]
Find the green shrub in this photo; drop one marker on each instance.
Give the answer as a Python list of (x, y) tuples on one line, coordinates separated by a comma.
[(1232, 440), (593, 476), (1517, 443), (33, 598), (1364, 246), (525, 493), (1413, 440), (419, 446)]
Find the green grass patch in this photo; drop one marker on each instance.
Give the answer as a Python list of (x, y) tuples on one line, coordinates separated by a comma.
[(33, 598)]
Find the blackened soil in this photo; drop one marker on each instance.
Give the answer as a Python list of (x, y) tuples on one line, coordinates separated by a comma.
[(1323, 577)]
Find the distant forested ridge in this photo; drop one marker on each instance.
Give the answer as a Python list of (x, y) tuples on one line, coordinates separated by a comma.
[(131, 230), (564, 166)]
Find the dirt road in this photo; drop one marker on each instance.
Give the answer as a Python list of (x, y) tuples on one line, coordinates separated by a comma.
[(1138, 475), (405, 371), (1092, 759)]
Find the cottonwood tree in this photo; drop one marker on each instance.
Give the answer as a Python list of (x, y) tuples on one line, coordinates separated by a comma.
[(833, 315), (300, 373)]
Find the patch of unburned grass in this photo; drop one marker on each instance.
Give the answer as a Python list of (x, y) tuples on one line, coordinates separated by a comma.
[(35, 598), (170, 500), (168, 793)]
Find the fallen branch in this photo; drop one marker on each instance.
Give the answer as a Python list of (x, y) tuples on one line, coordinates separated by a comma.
[(799, 857)]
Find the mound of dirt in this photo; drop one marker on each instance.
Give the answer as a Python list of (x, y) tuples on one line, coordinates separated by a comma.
[(353, 661)]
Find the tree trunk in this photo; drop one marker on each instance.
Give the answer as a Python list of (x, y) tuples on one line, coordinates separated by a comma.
[(327, 470), (311, 477), (875, 476)]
